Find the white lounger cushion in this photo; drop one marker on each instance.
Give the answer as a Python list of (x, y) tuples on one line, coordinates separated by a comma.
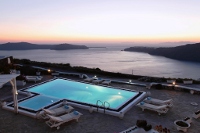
[(88, 79), (33, 78), (159, 102), (97, 81), (106, 82), (56, 111), (160, 109), (56, 121)]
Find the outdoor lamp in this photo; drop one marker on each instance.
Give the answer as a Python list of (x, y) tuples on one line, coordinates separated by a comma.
[(173, 83)]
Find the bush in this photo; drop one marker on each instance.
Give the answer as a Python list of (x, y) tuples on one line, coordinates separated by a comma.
[(26, 61), (148, 127), (158, 86), (27, 70), (141, 123), (20, 77)]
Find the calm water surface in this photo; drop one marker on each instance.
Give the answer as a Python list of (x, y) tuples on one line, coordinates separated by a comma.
[(114, 60)]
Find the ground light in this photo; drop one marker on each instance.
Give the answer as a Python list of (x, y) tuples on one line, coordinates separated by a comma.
[(174, 83)]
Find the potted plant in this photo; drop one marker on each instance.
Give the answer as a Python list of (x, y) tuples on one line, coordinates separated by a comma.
[(38, 73), (196, 114), (182, 125)]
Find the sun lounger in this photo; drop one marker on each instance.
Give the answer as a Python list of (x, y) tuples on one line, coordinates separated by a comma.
[(88, 79), (56, 121), (158, 101), (97, 81), (57, 111), (106, 82), (160, 108), (33, 78), (55, 74)]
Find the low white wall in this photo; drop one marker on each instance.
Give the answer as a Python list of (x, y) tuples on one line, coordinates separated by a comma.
[(171, 81), (187, 82), (55, 74)]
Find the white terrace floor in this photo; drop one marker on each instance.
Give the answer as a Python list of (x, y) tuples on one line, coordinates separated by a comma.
[(100, 123)]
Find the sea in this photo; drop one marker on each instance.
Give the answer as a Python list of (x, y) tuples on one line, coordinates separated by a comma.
[(114, 59)]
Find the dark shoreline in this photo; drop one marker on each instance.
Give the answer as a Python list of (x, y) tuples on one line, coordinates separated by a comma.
[(30, 46), (27, 69), (188, 52)]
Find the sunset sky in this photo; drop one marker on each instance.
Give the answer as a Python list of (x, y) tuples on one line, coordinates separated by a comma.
[(99, 21)]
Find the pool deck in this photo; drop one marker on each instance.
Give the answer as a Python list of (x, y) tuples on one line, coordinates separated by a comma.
[(101, 123)]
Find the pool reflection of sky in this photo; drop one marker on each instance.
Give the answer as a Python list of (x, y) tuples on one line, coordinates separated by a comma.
[(37, 102), (85, 93)]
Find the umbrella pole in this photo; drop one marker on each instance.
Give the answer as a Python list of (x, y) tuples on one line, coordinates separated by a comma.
[(13, 82)]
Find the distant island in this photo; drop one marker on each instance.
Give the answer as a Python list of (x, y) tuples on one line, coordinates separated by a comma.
[(30, 46), (97, 47), (188, 52)]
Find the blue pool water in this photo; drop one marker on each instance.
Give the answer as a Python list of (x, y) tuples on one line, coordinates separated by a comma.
[(83, 93), (38, 102)]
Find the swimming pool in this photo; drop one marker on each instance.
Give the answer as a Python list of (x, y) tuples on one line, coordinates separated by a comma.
[(88, 96), (37, 102)]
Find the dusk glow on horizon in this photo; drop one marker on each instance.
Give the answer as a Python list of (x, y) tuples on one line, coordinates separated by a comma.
[(105, 21)]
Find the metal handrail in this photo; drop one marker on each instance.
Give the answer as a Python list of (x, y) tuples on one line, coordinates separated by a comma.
[(105, 106), (98, 105)]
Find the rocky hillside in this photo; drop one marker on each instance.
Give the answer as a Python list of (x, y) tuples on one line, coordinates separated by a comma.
[(189, 52), (30, 46), (68, 46), (140, 49)]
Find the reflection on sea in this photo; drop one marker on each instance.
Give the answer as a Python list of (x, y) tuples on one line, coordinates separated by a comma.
[(114, 60)]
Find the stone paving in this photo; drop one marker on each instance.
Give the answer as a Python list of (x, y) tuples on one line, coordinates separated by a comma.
[(101, 123)]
